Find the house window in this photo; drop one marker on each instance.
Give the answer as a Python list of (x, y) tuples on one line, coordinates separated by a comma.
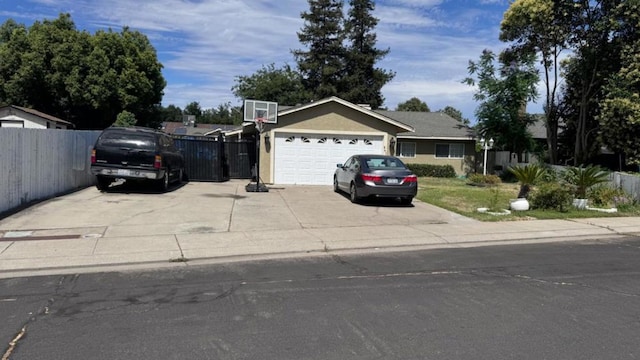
[(290, 139), (406, 149), (304, 139), (337, 141), (322, 141), (353, 142), (367, 142), (450, 151)]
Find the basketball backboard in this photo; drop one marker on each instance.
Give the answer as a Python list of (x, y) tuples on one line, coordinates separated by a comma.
[(266, 110)]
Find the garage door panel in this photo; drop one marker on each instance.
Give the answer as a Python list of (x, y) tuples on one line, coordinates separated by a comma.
[(312, 158)]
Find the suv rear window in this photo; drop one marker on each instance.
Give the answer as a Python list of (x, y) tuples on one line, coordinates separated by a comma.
[(127, 140)]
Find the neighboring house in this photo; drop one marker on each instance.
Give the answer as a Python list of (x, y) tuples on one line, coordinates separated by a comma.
[(12, 116), (437, 139)]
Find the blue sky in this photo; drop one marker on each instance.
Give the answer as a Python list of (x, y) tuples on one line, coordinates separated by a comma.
[(205, 44)]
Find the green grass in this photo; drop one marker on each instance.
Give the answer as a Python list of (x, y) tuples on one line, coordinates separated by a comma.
[(456, 195)]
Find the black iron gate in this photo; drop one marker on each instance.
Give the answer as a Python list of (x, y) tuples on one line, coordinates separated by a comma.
[(241, 157), (213, 159)]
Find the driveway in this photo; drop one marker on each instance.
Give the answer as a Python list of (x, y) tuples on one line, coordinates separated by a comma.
[(200, 207)]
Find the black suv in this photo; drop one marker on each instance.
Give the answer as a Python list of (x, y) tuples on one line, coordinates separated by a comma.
[(136, 153)]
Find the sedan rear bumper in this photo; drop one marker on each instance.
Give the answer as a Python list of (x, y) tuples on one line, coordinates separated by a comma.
[(389, 191)]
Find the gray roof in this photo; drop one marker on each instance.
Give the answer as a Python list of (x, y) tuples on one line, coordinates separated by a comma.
[(36, 113), (433, 125)]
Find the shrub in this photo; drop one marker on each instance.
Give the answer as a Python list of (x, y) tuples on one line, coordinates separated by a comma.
[(508, 177), (604, 195), (479, 179), (442, 171), (582, 178), (527, 176), (552, 196), (625, 203)]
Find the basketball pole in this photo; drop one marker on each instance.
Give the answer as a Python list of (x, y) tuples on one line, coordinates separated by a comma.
[(257, 187)]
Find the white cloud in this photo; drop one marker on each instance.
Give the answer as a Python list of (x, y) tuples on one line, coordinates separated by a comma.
[(205, 44)]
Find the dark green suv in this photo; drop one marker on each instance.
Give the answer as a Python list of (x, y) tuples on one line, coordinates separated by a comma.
[(138, 154)]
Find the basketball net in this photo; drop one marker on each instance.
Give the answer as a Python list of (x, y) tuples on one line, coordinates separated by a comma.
[(260, 124)]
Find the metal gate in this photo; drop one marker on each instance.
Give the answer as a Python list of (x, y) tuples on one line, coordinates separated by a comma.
[(240, 157), (213, 159), (204, 157)]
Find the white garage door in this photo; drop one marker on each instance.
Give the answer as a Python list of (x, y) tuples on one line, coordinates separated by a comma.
[(311, 159)]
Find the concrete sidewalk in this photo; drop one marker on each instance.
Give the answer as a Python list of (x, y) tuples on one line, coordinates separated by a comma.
[(232, 225)]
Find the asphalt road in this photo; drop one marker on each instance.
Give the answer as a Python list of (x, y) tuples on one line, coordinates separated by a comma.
[(544, 301)]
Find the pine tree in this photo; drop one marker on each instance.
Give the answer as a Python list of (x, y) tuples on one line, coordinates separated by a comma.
[(362, 82), (322, 64)]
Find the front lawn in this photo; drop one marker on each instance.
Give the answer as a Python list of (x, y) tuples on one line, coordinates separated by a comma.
[(458, 196)]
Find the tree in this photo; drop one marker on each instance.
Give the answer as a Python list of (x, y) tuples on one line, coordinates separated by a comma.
[(170, 113), (362, 81), (322, 64), (413, 104), (194, 108), (620, 114), (86, 79), (540, 27), (125, 119), (283, 86), (455, 113), (504, 93), (596, 43)]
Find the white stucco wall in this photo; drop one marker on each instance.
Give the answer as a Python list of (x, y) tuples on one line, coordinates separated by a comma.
[(28, 122)]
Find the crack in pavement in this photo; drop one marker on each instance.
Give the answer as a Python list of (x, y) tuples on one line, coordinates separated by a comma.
[(13, 344), (557, 283)]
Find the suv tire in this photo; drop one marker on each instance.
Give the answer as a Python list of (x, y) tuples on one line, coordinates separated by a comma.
[(103, 183), (163, 184)]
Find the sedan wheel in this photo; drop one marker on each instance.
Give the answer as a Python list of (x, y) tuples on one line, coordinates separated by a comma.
[(353, 194), (406, 200), (335, 184)]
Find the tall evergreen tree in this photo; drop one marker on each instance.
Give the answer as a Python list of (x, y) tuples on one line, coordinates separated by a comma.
[(362, 82), (322, 64)]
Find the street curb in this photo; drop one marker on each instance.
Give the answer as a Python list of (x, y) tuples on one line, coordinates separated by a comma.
[(202, 261)]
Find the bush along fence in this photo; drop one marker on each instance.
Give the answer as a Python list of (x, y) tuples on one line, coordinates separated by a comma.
[(443, 171)]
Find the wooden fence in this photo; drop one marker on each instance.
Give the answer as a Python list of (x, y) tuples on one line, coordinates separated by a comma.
[(38, 164)]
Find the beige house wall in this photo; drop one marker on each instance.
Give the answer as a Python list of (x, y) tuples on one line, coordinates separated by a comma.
[(333, 118), (426, 150)]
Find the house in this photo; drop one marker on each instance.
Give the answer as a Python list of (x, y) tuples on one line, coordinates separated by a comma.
[(309, 140), (437, 139), (12, 116)]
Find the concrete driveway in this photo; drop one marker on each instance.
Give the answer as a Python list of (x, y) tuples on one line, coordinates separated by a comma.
[(199, 207)]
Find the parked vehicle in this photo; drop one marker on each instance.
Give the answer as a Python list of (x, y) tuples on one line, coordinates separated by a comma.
[(136, 154), (375, 176)]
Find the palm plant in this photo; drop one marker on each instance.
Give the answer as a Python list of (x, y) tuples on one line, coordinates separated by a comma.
[(527, 176), (582, 178)]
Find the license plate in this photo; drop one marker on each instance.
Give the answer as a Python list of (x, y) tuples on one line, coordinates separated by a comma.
[(392, 181), (124, 172)]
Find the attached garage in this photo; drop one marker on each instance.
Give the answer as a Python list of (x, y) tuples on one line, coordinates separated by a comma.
[(310, 159), (307, 141)]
